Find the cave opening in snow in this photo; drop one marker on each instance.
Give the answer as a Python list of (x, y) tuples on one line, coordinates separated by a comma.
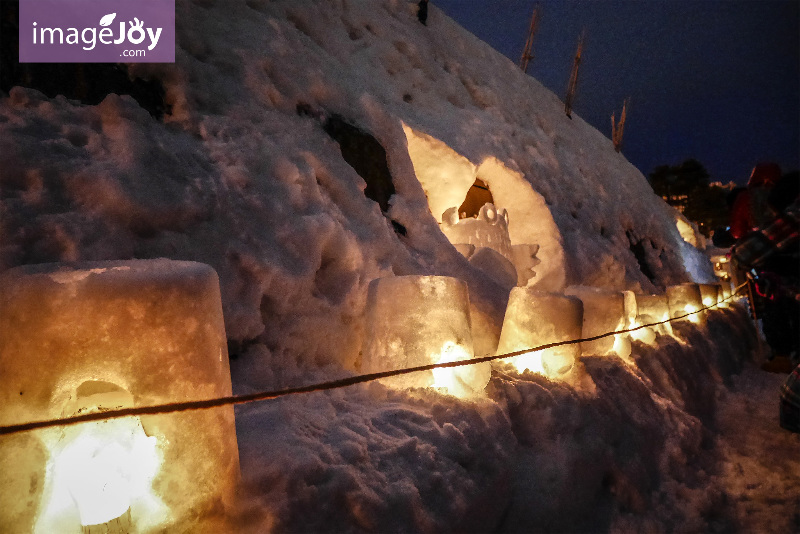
[(478, 195)]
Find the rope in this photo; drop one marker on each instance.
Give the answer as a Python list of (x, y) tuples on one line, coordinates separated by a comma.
[(322, 386)]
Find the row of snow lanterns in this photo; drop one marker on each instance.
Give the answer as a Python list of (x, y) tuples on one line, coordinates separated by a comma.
[(422, 320), (103, 336)]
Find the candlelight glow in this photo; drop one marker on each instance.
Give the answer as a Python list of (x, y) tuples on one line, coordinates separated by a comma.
[(683, 299), (102, 470), (452, 378), (645, 335), (694, 317), (535, 318)]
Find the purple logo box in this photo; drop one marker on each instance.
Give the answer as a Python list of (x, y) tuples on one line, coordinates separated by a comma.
[(97, 31)]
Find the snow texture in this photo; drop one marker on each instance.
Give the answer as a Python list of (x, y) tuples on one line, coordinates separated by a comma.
[(243, 176)]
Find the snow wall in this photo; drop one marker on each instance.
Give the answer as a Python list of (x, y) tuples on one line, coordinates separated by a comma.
[(243, 175)]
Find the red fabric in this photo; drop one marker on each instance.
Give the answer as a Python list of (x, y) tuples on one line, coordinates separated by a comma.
[(749, 208), (764, 175), (742, 220)]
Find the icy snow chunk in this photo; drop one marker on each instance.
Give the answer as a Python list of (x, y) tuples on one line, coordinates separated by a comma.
[(495, 265), (535, 318), (421, 320), (101, 335)]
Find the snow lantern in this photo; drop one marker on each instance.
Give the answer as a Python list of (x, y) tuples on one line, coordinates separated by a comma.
[(421, 320), (535, 318), (683, 299), (646, 335), (725, 294), (603, 311), (651, 309), (709, 294), (99, 336)]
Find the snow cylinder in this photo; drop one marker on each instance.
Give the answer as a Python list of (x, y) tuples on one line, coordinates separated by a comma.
[(92, 337), (419, 320), (535, 318)]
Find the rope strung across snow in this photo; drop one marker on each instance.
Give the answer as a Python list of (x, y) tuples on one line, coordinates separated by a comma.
[(323, 386)]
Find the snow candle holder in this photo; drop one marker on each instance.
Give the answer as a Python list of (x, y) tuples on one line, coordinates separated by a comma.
[(683, 299), (709, 294), (101, 336), (603, 311), (420, 320), (535, 318), (651, 309), (725, 294)]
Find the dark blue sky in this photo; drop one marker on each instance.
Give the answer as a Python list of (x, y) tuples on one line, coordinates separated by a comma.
[(716, 80)]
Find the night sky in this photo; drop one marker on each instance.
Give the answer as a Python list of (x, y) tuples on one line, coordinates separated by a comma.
[(714, 80)]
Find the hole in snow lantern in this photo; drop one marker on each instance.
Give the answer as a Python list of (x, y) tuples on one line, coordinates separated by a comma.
[(683, 299), (603, 311), (709, 294), (421, 320), (536, 318), (97, 337)]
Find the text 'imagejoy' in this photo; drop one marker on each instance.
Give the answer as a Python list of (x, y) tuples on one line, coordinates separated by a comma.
[(71, 31)]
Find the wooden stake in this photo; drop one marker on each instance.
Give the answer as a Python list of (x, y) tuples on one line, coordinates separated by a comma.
[(573, 77), (617, 130), (527, 52)]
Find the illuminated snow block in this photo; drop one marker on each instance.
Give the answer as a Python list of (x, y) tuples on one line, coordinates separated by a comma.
[(420, 320), (685, 299), (603, 311), (725, 294), (489, 229), (99, 336), (709, 294), (534, 318)]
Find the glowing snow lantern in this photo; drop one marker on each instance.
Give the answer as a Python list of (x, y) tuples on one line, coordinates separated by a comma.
[(725, 294), (535, 318), (651, 309), (709, 294), (603, 311), (420, 320), (683, 299), (102, 336)]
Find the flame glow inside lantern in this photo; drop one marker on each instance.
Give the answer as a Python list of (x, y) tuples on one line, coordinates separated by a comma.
[(683, 299), (652, 309), (420, 320), (725, 294), (535, 318), (709, 294), (603, 311), (100, 336)]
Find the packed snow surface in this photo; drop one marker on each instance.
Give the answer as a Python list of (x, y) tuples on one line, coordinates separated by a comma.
[(251, 173)]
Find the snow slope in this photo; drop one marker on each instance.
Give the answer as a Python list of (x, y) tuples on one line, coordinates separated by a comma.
[(242, 175)]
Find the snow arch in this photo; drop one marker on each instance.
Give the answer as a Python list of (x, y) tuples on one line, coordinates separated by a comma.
[(447, 177)]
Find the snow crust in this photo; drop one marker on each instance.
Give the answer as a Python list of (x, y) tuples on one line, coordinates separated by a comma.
[(236, 178)]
